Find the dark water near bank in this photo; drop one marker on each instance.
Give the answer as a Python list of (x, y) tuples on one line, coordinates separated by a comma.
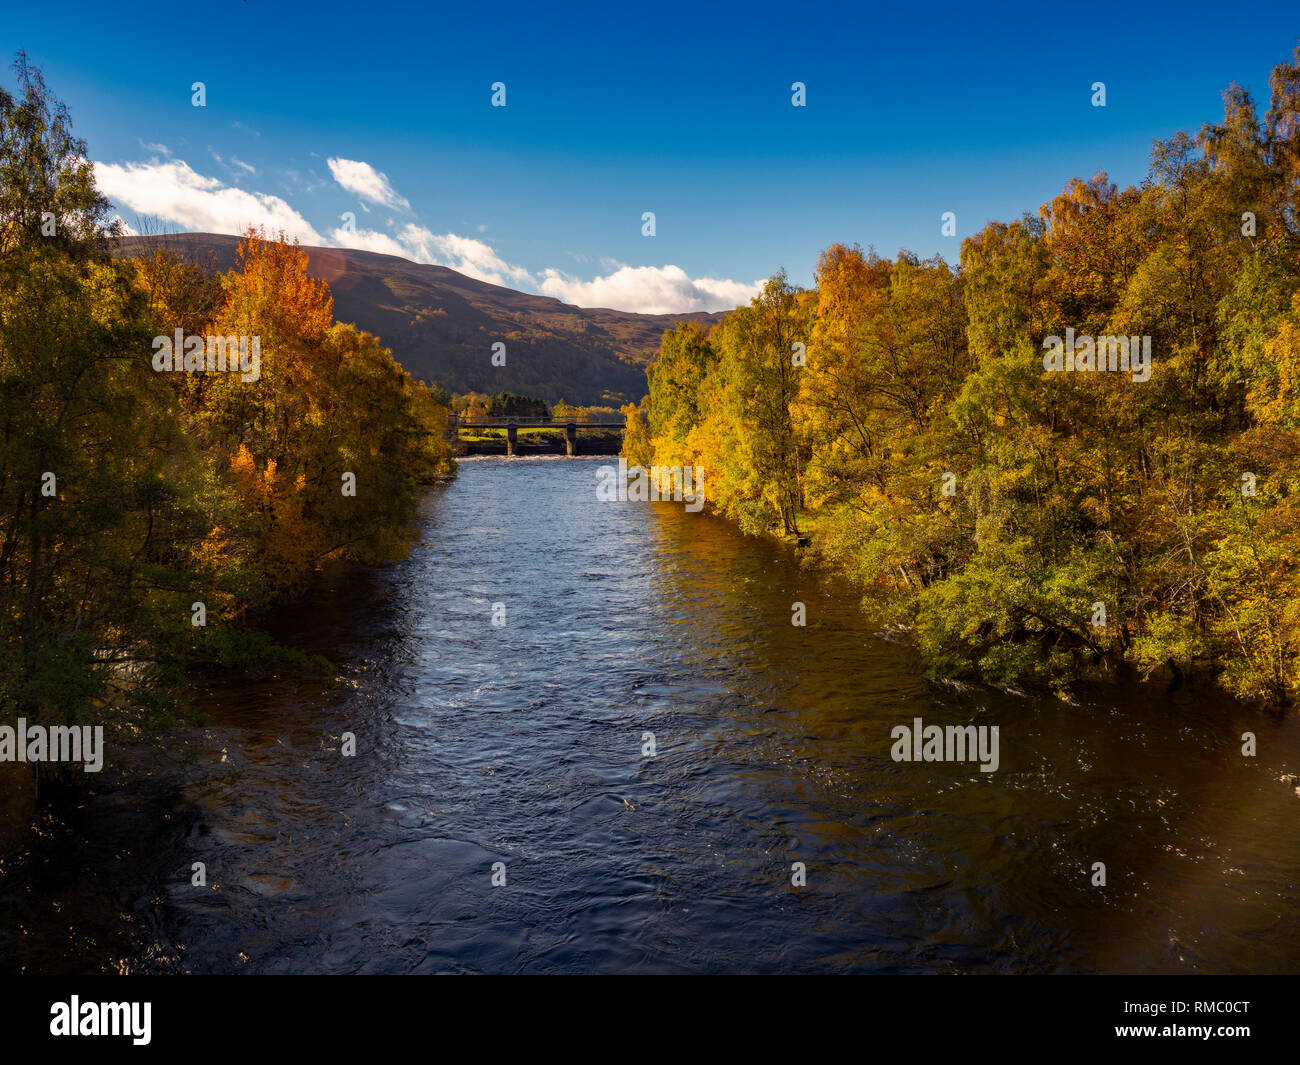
[(522, 745)]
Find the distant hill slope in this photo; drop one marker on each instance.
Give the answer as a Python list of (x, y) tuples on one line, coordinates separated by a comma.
[(441, 325)]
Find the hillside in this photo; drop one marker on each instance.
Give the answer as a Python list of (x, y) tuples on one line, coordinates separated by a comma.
[(441, 325)]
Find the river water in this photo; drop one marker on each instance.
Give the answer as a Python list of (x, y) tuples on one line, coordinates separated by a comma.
[(522, 744)]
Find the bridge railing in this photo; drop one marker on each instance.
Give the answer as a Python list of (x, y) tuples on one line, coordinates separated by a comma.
[(466, 422)]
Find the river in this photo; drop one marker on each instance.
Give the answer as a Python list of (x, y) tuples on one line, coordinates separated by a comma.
[(522, 744)]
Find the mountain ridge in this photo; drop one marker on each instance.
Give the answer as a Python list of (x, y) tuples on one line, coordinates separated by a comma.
[(441, 324)]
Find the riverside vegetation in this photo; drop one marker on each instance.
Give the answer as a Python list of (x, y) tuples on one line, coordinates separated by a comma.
[(128, 496), (1027, 526)]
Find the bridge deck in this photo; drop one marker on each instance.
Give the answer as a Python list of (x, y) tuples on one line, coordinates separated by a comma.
[(532, 423)]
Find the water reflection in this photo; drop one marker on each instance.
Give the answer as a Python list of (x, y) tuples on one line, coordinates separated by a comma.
[(522, 744)]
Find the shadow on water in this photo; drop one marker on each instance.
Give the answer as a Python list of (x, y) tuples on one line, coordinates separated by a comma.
[(522, 744)]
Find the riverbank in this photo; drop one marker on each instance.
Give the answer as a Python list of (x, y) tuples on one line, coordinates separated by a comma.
[(1106, 666)]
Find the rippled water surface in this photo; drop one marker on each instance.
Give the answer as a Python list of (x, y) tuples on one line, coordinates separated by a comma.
[(522, 744)]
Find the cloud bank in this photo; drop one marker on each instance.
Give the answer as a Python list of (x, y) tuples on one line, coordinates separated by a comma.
[(172, 191), (649, 290), (169, 189)]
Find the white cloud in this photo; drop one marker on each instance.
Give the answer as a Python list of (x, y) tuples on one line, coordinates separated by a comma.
[(233, 162), (368, 240), (465, 255), (362, 179), (650, 290), (173, 192)]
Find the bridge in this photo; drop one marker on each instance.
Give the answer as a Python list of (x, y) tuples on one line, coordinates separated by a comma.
[(512, 425)]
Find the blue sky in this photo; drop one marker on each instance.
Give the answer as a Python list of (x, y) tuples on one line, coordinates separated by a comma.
[(913, 109)]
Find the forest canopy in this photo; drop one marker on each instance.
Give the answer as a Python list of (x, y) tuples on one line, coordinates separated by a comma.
[(147, 517), (1028, 525)]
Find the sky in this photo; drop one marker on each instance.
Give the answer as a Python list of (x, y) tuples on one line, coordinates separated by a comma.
[(372, 125)]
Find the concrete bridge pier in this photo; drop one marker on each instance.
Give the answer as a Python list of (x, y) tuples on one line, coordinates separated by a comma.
[(571, 439), (512, 438)]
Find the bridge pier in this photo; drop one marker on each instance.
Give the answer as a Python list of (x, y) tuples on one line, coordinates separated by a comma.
[(512, 438), (571, 439)]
